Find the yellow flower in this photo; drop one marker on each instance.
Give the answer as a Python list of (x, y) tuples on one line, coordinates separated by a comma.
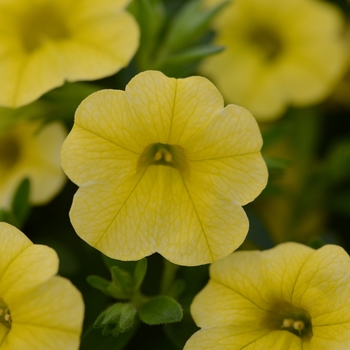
[(277, 53), (290, 297), (30, 150), (45, 42), (163, 167), (38, 310)]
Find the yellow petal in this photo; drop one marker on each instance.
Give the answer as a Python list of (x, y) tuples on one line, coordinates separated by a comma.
[(230, 338), (28, 337), (33, 266), (156, 212), (99, 47), (242, 273), (323, 286), (281, 268), (226, 307), (55, 304), (13, 243)]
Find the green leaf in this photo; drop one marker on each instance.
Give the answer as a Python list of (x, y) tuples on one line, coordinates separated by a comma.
[(122, 280), (191, 55), (118, 318), (20, 203), (160, 310), (104, 286), (150, 16), (139, 273), (338, 161), (191, 23)]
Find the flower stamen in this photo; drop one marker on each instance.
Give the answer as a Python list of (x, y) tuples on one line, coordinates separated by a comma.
[(163, 154), (5, 316)]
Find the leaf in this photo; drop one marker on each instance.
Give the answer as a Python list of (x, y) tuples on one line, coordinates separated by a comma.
[(139, 273), (116, 319), (193, 54), (103, 285), (191, 23), (20, 204), (338, 161), (160, 310), (122, 280)]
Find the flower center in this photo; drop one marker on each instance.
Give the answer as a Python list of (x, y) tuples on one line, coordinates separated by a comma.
[(267, 41), (5, 321), (284, 316), (9, 152), (5, 316), (163, 154), (42, 24)]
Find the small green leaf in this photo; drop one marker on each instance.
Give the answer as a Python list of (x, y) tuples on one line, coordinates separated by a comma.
[(127, 317), (192, 55), (190, 24), (109, 315), (150, 15), (338, 161), (20, 203), (118, 318), (104, 286), (122, 280), (160, 310), (139, 273)]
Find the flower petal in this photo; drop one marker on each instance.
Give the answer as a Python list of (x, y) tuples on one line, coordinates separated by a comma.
[(155, 211), (281, 268), (33, 266), (13, 243), (230, 338), (226, 307), (62, 318), (325, 278)]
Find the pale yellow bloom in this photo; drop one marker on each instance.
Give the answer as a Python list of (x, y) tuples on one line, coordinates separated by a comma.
[(38, 310), (277, 53), (30, 150), (47, 42), (163, 167), (290, 297)]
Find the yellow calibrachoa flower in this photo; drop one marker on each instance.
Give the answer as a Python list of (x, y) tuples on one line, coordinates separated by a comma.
[(276, 53), (30, 150), (45, 42), (38, 310), (291, 297), (163, 167)]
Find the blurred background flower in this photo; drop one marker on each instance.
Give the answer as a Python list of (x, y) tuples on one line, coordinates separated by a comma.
[(30, 149), (45, 43), (277, 53)]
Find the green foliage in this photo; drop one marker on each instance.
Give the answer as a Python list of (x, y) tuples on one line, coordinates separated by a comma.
[(174, 44), (160, 310), (124, 284), (20, 206), (118, 318)]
